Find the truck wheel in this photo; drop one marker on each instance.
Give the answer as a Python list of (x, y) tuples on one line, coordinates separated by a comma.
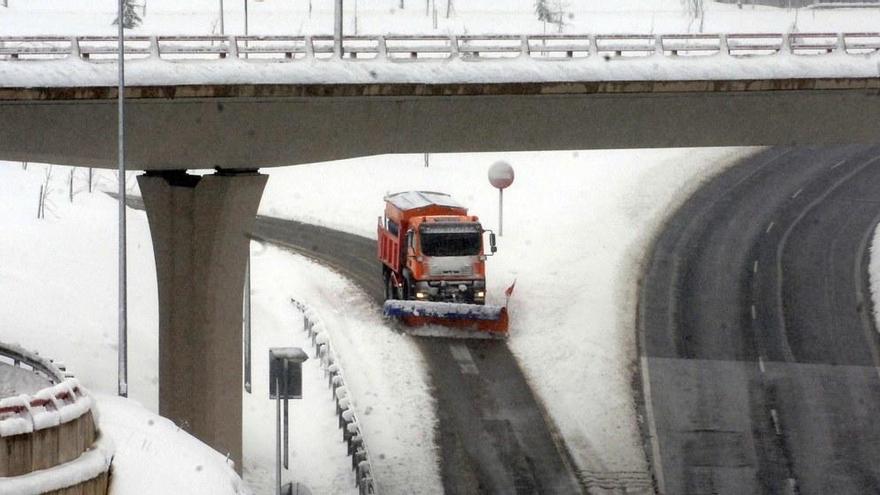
[(389, 288)]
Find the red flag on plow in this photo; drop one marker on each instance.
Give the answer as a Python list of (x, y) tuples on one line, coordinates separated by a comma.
[(509, 292)]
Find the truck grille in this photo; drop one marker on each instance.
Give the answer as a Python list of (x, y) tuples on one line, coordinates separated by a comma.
[(451, 266)]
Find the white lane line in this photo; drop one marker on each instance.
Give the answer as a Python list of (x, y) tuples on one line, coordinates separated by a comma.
[(652, 426), (837, 164), (754, 313), (463, 357), (770, 227), (775, 417), (755, 267), (761, 364), (798, 193)]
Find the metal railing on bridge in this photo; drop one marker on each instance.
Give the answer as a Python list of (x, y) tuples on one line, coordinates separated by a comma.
[(433, 47)]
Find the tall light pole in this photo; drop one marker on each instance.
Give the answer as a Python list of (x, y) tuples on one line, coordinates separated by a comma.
[(222, 30), (122, 349), (337, 29)]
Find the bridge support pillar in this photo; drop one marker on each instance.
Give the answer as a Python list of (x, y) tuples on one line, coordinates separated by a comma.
[(198, 226)]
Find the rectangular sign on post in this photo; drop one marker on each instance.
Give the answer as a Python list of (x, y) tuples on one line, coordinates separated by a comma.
[(294, 357)]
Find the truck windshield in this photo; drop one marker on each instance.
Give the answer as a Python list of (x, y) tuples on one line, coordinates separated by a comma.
[(465, 240)]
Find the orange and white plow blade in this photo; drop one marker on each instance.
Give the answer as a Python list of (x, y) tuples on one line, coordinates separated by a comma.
[(468, 317)]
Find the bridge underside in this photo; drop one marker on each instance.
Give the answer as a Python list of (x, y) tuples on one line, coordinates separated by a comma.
[(247, 126)]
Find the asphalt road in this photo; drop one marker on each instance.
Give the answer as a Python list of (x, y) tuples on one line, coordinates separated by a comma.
[(759, 355), (493, 437)]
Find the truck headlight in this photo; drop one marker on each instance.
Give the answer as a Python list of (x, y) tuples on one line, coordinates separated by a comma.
[(480, 294), (421, 295)]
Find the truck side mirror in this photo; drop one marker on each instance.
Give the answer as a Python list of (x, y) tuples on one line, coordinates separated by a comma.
[(492, 242)]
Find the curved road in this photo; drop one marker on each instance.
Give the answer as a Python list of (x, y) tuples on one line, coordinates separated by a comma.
[(493, 436), (759, 356)]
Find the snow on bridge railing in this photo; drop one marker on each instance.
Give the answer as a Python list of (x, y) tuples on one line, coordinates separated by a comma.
[(22, 358), (421, 47)]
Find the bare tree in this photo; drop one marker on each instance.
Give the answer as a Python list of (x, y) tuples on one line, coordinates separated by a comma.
[(696, 11), (44, 193)]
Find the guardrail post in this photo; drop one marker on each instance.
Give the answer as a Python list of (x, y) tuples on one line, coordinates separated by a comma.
[(233, 47), (453, 47), (524, 46), (841, 44), (723, 47), (593, 46), (310, 47), (381, 47), (786, 43), (658, 46), (154, 47), (74, 47)]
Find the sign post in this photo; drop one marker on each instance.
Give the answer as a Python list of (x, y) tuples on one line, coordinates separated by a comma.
[(501, 177), (285, 382)]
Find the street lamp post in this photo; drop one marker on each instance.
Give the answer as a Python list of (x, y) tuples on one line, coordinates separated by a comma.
[(337, 29), (122, 349)]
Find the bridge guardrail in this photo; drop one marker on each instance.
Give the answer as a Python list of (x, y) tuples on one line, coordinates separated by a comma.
[(431, 47), (22, 358), (348, 422)]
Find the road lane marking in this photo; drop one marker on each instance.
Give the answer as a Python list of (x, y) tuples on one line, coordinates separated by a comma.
[(798, 193), (770, 227), (463, 357), (754, 313), (775, 417), (755, 267), (652, 425), (837, 164), (761, 364)]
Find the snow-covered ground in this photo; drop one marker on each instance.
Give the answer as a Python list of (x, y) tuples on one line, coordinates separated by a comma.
[(874, 275), (577, 226), (153, 455), (58, 278), (386, 16), (473, 17)]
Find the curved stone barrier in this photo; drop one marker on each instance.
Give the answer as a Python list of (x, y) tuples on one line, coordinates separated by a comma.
[(49, 442), (52, 427)]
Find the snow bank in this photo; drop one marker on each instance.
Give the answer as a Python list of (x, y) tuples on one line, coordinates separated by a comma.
[(80, 73), (874, 275), (154, 456)]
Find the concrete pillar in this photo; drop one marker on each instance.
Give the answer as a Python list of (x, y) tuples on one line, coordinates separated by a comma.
[(198, 226)]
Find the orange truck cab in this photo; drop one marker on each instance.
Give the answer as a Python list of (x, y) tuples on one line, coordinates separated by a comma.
[(431, 249)]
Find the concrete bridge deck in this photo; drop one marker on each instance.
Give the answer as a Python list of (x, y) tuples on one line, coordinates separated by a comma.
[(197, 102)]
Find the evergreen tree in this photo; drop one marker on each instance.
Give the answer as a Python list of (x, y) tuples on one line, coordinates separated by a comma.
[(542, 10), (130, 17)]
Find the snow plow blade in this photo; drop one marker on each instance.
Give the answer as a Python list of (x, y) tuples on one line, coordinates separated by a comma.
[(473, 317)]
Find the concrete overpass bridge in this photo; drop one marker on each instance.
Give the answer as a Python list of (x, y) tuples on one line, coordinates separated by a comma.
[(237, 104)]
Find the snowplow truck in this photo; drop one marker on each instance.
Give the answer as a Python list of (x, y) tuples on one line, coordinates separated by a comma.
[(434, 264)]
